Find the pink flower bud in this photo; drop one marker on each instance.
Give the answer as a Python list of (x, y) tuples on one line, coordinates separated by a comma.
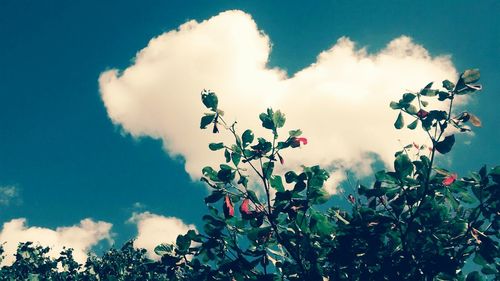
[(228, 207), (447, 181), (422, 114)]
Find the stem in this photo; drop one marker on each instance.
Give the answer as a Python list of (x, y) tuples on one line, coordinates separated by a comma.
[(284, 242)]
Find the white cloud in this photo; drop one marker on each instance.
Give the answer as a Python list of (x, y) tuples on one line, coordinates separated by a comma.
[(152, 230), (340, 101), (8, 194), (80, 237)]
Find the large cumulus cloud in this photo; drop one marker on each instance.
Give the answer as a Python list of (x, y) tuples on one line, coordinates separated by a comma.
[(340, 101)]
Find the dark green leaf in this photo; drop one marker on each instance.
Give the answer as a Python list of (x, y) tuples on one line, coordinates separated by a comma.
[(277, 183), (253, 197), (267, 169), (408, 97), (210, 173), (225, 167), (236, 157), (279, 119), (443, 95), (445, 145), (216, 146), (290, 176), (318, 195), (247, 137), (267, 121), (413, 125), (163, 249), (210, 100), (214, 197), (225, 175), (428, 86), (243, 180), (206, 120), (448, 85), (479, 260), (474, 276), (399, 121), (403, 165)]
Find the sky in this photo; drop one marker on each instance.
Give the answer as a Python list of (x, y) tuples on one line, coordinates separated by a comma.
[(100, 101)]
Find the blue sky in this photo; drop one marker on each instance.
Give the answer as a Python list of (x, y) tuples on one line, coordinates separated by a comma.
[(69, 158)]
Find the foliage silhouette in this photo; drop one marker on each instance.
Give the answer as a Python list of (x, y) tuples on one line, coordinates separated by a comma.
[(417, 221)]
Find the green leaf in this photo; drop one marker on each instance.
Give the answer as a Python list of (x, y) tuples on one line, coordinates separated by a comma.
[(163, 249), (470, 76), (448, 85), (403, 165), (479, 260), (424, 103), (225, 167), (210, 173), (445, 145), (318, 195), (295, 133), (225, 175), (253, 197), (495, 174), (216, 146), (412, 109), (210, 100), (267, 169), (488, 270), (277, 183), (395, 105), (214, 197), (427, 91), (247, 138), (408, 97), (182, 243), (279, 119), (227, 155), (267, 122), (206, 120), (243, 180), (399, 121), (320, 224), (413, 125), (474, 276), (443, 95), (290, 176), (236, 157)]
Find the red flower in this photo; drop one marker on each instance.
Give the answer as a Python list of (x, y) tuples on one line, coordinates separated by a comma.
[(244, 209), (296, 142), (351, 199), (422, 114), (302, 140), (228, 207), (447, 181)]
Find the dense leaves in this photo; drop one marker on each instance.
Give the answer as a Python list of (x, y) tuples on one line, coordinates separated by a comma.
[(415, 222)]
